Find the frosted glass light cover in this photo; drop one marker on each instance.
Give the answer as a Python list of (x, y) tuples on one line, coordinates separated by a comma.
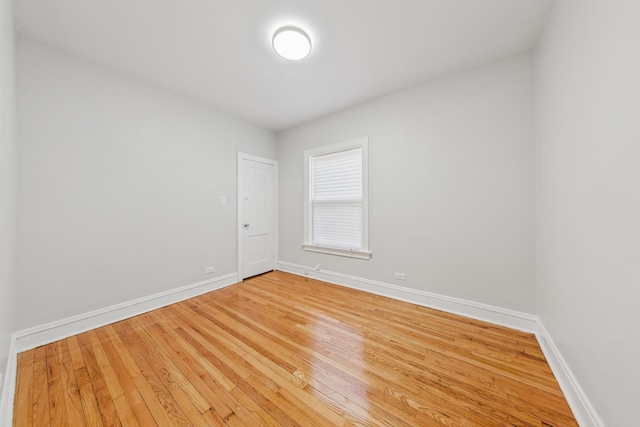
[(291, 43)]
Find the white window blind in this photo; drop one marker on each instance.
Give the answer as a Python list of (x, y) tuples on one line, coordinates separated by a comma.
[(337, 199)]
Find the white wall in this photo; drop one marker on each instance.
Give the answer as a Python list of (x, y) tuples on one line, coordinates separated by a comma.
[(588, 205), (120, 186), (451, 185), (7, 179)]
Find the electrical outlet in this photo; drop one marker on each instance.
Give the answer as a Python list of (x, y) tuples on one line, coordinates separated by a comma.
[(400, 276), (223, 200), (209, 270)]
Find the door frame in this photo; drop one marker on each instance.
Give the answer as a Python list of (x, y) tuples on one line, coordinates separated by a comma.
[(274, 163)]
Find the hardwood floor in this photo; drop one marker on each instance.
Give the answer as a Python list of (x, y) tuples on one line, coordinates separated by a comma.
[(282, 350)]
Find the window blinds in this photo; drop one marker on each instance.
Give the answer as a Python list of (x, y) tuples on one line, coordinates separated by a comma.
[(336, 199)]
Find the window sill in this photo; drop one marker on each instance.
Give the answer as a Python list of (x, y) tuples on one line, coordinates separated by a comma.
[(335, 251)]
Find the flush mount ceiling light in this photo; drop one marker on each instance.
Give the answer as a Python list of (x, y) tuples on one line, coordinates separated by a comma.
[(291, 43)]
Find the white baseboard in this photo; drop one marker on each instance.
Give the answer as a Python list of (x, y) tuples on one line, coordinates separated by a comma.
[(8, 385), (499, 316), (584, 412), (576, 398), (54, 331)]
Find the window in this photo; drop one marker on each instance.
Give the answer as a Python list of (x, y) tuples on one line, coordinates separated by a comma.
[(336, 187)]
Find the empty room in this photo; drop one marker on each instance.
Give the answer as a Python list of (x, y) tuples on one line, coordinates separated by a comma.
[(320, 213)]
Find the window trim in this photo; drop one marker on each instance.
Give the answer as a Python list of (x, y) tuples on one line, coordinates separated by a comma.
[(364, 253)]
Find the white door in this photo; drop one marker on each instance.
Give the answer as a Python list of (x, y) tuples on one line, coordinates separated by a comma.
[(257, 215)]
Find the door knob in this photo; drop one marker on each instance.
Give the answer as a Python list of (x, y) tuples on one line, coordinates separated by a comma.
[(246, 225)]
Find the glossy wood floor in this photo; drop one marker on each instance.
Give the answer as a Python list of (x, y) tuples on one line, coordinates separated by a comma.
[(284, 350)]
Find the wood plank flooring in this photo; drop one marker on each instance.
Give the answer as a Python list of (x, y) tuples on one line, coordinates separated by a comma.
[(282, 350)]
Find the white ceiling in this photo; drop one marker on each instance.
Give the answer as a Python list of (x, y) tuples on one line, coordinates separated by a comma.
[(219, 51)]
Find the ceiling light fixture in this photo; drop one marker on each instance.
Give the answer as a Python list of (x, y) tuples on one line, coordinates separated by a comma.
[(291, 43)]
